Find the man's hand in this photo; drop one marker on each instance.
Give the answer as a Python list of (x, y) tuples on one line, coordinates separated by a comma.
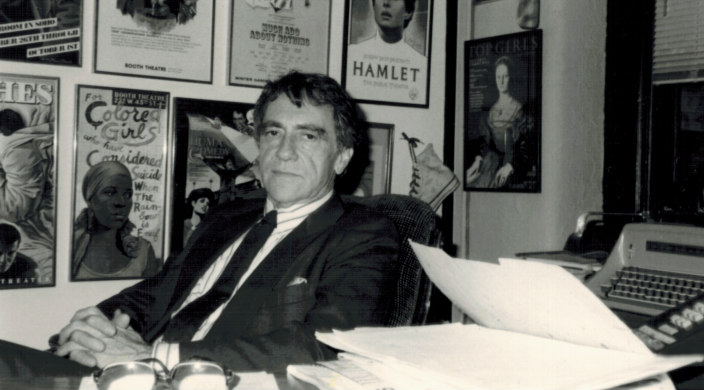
[(94, 340)]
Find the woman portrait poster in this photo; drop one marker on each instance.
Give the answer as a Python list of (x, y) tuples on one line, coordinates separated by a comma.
[(502, 117), (119, 183)]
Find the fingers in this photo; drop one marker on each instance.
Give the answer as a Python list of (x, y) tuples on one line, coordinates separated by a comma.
[(91, 321), (83, 357), (81, 340), (120, 319)]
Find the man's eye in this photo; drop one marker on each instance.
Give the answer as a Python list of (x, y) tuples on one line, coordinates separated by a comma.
[(310, 136), (272, 132)]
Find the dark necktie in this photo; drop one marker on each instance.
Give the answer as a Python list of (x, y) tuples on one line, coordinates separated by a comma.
[(185, 324)]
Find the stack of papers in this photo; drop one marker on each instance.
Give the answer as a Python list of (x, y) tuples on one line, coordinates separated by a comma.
[(537, 327)]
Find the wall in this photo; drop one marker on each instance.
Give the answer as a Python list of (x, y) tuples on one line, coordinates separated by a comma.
[(30, 316), (501, 224)]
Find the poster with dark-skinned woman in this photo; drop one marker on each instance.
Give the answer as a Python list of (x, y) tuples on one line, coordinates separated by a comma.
[(119, 183), (503, 112)]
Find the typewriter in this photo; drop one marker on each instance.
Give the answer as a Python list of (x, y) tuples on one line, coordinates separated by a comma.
[(653, 267)]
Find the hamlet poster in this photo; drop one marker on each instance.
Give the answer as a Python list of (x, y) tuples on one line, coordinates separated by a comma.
[(387, 52), (28, 128), (47, 32), (120, 166), (269, 39), (168, 40)]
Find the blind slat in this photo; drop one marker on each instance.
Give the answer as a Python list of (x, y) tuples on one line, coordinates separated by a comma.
[(678, 45)]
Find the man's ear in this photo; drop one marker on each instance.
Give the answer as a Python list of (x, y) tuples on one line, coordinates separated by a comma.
[(343, 159)]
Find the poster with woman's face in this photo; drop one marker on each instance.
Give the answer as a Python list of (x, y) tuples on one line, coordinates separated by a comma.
[(119, 183), (502, 113)]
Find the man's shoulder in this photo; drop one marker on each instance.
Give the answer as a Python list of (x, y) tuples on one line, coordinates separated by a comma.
[(359, 211)]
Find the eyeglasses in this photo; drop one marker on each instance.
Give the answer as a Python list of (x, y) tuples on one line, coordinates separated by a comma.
[(152, 374)]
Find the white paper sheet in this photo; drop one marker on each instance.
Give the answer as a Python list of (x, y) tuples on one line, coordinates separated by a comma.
[(528, 297), (474, 357)]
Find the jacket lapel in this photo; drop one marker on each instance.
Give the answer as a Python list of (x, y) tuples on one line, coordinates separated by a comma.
[(206, 248), (241, 310)]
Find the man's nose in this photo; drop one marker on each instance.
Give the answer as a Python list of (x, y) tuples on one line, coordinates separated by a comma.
[(287, 148)]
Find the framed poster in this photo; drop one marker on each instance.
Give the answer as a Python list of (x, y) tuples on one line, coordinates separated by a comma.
[(47, 32), (386, 56), (28, 127), (119, 183), (270, 38), (215, 149), (503, 112), (158, 39), (376, 178)]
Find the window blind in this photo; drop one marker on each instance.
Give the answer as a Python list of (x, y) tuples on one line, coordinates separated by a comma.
[(678, 47)]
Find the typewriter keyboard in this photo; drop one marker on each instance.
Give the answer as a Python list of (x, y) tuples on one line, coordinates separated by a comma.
[(660, 290)]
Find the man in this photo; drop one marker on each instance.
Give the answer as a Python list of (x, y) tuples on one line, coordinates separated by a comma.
[(391, 18), (240, 122), (15, 268), (385, 62), (326, 265)]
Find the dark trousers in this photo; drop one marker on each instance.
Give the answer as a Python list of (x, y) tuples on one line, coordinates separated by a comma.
[(18, 361)]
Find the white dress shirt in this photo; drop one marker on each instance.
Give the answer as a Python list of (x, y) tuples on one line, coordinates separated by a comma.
[(287, 219)]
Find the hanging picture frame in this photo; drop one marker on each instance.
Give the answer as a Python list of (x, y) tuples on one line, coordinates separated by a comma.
[(214, 148), (386, 53), (269, 39), (44, 32), (29, 110), (503, 113), (163, 40), (120, 182)]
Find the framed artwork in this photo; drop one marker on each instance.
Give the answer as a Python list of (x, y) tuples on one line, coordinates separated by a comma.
[(503, 113), (158, 39), (376, 178), (28, 127), (386, 54), (215, 149), (46, 32), (270, 38), (120, 172)]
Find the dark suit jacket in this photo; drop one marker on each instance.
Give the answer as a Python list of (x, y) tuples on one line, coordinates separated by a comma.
[(346, 254)]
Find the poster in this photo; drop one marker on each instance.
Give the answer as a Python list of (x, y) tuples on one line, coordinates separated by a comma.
[(387, 51), (503, 112), (376, 178), (28, 128), (47, 31), (158, 39), (270, 38), (215, 149), (119, 183)]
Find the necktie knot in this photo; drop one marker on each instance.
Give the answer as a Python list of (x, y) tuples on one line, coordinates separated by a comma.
[(270, 218)]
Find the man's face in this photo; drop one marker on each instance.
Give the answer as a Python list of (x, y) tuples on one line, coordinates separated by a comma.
[(390, 14), (239, 120), (8, 252), (298, 152)]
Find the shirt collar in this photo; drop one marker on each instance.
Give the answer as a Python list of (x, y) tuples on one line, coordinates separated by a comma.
[(297, 210)]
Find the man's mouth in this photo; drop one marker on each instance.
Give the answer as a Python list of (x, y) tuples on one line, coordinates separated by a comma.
[(284, 173)]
